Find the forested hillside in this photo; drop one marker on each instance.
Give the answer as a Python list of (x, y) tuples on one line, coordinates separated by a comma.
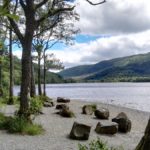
[(50, 77), (131, 68)]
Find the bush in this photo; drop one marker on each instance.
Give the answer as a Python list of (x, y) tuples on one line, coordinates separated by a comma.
[(19, 125), (97, 145), (3, 121), (13, 100), (7, 100), (22, 126), (45, 98), (16, 125), (36, 105)]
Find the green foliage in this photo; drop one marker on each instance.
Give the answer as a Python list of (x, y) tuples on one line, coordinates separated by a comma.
[(50, 77), (19, 125), (45, 98), (13, 16), (13, 100), (33, 129), (16, 125), (97, 145), (36, 104), (4, 11), (5, 71), (71, 114), (22, 126), (127, 69), (5, 99), (94, 106), (67, 113), (3, 121)]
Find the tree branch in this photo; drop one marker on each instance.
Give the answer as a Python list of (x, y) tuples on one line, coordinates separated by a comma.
[(22, 4), (16, 29), (96, 3), (46, 29), (54, 12), (16, 6), (41, 4)]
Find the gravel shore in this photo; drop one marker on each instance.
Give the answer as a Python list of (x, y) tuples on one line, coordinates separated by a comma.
[(57, 129)]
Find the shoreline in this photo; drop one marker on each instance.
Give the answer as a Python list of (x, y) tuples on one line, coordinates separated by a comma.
[(113, 105), (58, 128)]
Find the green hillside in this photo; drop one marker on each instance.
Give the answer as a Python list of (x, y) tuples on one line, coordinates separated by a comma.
[(50, 77), (131, 68)]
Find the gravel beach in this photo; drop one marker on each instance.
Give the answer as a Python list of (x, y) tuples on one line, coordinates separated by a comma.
[(57, 129)]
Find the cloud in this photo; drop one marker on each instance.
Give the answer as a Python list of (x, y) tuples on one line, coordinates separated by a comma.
[(104, 49), (126, 24), (114, 16), (17, 53)]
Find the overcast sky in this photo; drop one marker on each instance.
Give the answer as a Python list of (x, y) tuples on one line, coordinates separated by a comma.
[(115, 29)]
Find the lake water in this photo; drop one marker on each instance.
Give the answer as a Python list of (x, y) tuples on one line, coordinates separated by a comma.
[(131, 95)]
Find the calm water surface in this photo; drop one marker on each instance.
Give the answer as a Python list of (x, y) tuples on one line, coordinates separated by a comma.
[(132, 95)]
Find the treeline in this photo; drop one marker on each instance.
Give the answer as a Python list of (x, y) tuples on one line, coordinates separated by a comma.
[(120, 79), (50, 77)]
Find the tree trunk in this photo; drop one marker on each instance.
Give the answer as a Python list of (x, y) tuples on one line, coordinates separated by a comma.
[(11, 70), (145, 141), (26, 42), (1, 89), (39, 75), (26, 79), (44, 77), (32, 89)]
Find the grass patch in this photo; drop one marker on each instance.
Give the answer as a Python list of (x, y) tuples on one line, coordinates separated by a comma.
[(97, 145), (6, 100), (3, 121), (19, 125), (94, 107), (34, 129)]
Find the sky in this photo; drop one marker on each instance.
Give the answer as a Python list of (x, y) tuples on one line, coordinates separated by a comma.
[(114, 29)]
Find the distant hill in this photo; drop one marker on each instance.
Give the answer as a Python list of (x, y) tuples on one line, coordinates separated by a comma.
[(50, 77), (131, 68)]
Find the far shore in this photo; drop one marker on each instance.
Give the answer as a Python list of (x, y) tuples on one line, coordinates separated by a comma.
[(58, 129)]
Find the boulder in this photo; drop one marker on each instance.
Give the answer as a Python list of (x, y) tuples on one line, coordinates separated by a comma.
[(123, 122), (62, 106), (80, 131), (67, 113), (102, 113), (62, 100), (88, 109), (48, 104), (106, 128)]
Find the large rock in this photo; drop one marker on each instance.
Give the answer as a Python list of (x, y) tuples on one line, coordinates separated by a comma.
[(123, 122), (102, 113), (80, 131), (62, 106), (67, 113), (62, 100), (88, 109), (106, 128)]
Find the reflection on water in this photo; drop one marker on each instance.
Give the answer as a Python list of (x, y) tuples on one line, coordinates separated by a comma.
[(132, 95)]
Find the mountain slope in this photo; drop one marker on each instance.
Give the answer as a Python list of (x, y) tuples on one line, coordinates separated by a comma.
[(136, 66), (50, 77)]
